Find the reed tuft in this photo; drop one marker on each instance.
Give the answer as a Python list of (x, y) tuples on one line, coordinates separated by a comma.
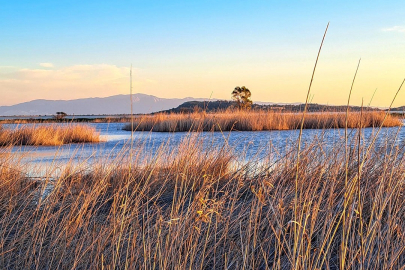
[(196, 207), (48, 135), (256, 121)]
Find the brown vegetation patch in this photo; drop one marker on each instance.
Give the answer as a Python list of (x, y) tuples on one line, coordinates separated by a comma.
[(48, 135), (192, 208), (258, 121)]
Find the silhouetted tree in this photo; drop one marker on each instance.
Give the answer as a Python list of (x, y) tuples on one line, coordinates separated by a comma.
[(60, 115), (242, 97)]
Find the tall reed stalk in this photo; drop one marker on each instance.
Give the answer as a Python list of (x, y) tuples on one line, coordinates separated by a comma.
[(195, 207)]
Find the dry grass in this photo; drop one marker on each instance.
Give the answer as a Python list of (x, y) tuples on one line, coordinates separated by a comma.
[(48, 135), (256, 121), (194, 209)]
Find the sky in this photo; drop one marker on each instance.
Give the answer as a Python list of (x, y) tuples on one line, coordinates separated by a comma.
[(78, 49)]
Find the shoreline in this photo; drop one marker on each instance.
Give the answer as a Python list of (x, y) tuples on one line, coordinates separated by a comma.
[(259, 121)]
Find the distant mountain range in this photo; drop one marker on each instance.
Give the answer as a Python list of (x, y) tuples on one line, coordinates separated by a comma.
[(119, 104), (142, 103)]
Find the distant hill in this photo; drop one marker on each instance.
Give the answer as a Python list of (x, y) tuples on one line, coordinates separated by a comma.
[(119, 104), (398, 109), (144, 104), (218, 105)]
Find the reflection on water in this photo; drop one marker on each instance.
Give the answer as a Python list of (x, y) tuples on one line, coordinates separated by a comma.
[(246, 145)]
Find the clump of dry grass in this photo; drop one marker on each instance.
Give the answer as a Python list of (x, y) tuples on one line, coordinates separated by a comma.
[(14, 183), (193, 208), (48, 135), (257, 121)]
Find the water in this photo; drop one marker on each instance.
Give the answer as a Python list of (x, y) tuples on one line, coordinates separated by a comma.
[(245, 145)]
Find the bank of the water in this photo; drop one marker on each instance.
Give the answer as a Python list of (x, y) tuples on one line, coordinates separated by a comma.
[(190, 206), (66, 119), (259, 121)]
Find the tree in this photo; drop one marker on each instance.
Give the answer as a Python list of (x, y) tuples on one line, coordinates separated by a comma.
[(60, 115), (242, 97)]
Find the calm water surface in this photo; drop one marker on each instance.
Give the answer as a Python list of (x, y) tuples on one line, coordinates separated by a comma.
[(247, 145)]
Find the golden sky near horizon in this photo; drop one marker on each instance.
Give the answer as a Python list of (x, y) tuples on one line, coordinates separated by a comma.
[(203, 49), (286, 82)]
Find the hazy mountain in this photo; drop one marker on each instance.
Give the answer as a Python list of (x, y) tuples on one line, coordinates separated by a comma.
[(119, 104)]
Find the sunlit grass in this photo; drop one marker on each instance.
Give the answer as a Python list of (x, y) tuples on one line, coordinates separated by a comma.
[(48, 135), (196, 207), (257, 121)]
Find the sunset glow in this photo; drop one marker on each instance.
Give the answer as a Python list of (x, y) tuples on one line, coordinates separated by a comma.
[(70, 49)]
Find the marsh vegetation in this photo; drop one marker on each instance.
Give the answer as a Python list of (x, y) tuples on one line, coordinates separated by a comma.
[(242, 120), (198, 207), (48, 135)]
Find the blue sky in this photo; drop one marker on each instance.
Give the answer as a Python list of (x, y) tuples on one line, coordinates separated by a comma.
[(74, 49)]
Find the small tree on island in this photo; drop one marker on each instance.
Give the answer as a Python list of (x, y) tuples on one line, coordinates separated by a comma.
[(242, 97), (60, 115)]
